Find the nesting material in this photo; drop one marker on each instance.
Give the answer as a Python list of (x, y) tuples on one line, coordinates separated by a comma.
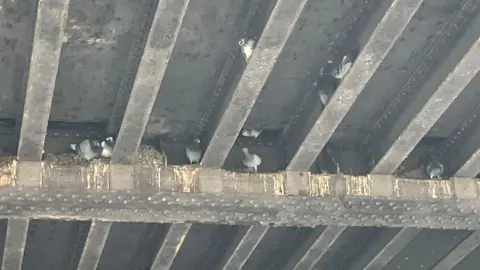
[(65, 159), (148, 155)]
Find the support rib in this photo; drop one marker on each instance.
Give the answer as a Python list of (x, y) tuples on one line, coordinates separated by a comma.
[(245, 247), (397, 244), (316, 250), (156, 55), (46, 49), (171, 245), (94, 245), (460, 252), (369, 59), (15, 242), (260, 64), (436, 105)]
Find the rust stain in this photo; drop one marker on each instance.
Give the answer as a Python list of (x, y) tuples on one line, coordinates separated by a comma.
[(358, 185), (438, 189), (279, 184), (95, 175), (414, 188), (8, 173), (319, 185), (186, 177)]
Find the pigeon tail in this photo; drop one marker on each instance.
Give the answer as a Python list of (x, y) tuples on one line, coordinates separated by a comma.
[(73, 147)]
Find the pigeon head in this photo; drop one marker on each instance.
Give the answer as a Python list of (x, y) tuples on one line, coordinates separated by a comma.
[(245, 150), (196, 140), (109, 139)]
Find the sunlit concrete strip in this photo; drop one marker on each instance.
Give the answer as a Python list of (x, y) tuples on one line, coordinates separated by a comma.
[(460, 252), (436, 105), (260, 64), (171, 245), (156, 55), (244, 248), (94, 245), (47, 44), (397, 244), (314, 251), (15, 241), (381, 41)]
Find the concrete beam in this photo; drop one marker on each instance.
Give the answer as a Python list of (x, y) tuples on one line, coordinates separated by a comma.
[(247, 243), (460, 252), (15, 242), (397, 244), (171, 245), (406, 138), (313, 251), (352, 85), (94, 245), (162, 36), (260, 64), (47, 44), (182, 193)]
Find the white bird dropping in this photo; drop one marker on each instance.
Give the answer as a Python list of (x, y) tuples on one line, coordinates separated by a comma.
[(247, 46), (194, 151), (252, 161), (434, 169), (254, 133)]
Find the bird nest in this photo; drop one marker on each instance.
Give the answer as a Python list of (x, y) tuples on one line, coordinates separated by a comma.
[(148, 155)]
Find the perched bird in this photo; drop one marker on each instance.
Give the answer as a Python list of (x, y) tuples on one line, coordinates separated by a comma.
[(247, 46), (252, 161), (324, 97), (347, 61), (107, 147), (326, 86), (194, 151), (254, 133), (342, 69), (87, 149), (434, 169)]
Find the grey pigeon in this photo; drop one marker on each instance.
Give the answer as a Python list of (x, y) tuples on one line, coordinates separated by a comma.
[(434, 169), (342, 69), (254, 133), (326, 86), (87, 149), (345, 64), (107, 147), (194, 151), (252, 161)]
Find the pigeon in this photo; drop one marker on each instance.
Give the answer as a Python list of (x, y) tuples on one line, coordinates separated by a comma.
[(434, 169), (87, 149), (324, 97), (342, 69), (347, 61), (107, 147), (247, 46), (194, 151), (252, 161), (254, 133), (326, 86)]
